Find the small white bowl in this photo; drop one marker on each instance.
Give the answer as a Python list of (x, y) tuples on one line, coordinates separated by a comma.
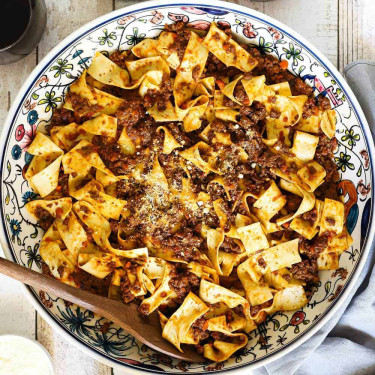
[(38, 355)]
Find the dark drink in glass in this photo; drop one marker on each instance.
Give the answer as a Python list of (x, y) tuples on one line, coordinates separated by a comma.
[(22, 23)]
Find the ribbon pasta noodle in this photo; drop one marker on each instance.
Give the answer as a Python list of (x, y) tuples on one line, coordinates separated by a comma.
[(186, 175)]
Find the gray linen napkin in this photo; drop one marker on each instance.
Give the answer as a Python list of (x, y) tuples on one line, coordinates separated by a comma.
[(346, 344)]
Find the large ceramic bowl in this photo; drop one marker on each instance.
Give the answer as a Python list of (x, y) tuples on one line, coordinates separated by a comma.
[(45, 90)]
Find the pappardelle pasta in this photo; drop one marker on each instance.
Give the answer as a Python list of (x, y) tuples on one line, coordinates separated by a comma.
[(194, 176)]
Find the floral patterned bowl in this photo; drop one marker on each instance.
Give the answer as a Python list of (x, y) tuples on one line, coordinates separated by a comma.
[(45, 90)]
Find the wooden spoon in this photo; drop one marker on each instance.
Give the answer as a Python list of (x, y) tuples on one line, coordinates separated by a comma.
[(146, 330)]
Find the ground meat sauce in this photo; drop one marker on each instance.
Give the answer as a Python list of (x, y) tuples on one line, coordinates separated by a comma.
[(324, 156), (120, 58), (63, 184), (315, 246), (44, 217), (313, 106), (199, 329), (230, 246), (240, 94), (131, 112), (181, 40), (129, 290), (91, 283), (215, 68), (254, 310), (62, 116), (182, 283), (183, 244), (161, 96), (307, 271), (292, 202), (200, 332), (176, 228), (310, 216), (261, 262), (82, 107), (270, 67)]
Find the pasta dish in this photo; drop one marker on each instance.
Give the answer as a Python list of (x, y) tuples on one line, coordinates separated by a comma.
[(194, 176)]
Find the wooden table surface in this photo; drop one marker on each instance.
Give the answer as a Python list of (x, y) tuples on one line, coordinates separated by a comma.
[(342, 29)]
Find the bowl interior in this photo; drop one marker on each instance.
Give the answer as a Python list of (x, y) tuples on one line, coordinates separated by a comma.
[(46, 90)]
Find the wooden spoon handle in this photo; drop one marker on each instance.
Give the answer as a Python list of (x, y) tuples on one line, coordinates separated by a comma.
[(146, 330), (100, 305)]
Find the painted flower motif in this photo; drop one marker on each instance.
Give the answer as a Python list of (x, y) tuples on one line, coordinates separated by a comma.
[(178, 17), (249, 31), (193, 10), (50, 100), (281, 339), (77, 53), (158, 358), (110, 346), (16, 152), (364, 155), (294, 53), (240, 22), (61, 68), (135, 38), (28, 105), (45, 299), (350, 137), (264, 339), (42, 81), (20, 132), (33, 256), (107, 38), (215, 367), (27, 138), (32, 117), (15, 227), (28, 197), (76, 321), (264, 47), (125, 20), (239, 354), (213, 11), (362, 188), (343, 161), (353, 253), (297, 319), (224, 24), (157, 17), (182, 366), (28, 158), (199, 25), (275, 33)]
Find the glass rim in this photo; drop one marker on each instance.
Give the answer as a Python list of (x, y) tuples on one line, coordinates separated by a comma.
[(24, 32)]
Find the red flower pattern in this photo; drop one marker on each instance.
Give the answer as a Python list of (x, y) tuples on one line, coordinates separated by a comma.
[(275, 33), (362, 188), (157, 18), (248, 30)]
